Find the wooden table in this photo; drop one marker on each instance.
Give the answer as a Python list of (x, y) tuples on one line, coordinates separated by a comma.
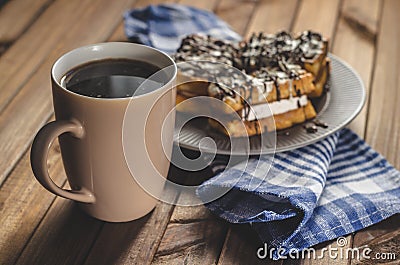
[(38, 228)]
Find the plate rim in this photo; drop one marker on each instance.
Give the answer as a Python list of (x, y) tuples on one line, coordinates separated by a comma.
[(262, 151)]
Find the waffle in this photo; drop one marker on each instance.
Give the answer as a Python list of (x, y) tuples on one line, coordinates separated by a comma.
[(279, 73)]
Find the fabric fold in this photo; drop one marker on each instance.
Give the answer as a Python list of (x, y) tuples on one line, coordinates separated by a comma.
[(309, 195), (164, 26)]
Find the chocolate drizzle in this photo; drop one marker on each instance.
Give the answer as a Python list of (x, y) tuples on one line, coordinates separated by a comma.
[(310, 127), (320, 123), (265, 58)]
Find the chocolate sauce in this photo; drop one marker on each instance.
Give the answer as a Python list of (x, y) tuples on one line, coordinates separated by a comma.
[(310, 127), (278, 91), (320, 123)]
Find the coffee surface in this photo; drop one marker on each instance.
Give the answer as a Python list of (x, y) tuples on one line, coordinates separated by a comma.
[(113, 78)]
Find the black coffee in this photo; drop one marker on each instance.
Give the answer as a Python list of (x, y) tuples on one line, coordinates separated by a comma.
[(113, 78)]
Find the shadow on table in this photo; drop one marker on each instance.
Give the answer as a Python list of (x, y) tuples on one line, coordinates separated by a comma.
[(67, 235)]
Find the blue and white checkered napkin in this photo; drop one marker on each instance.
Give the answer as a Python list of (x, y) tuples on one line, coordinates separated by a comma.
[(164, 26), (310, 195)]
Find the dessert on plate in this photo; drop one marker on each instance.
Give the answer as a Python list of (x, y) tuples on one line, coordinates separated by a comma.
[(266, 82)]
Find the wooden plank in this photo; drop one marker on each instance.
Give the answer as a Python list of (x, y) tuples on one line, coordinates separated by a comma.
[(356, 47), (272, 16), (191, 243), (209, 5), (193, 234), (18, 64), (18, 15), (317, 15), (32, 106), (22, 59), (237, 13), (133, 242), (64, 237), (186, 214), (383, 127), (243, 246), (119, 34), (23, 203)]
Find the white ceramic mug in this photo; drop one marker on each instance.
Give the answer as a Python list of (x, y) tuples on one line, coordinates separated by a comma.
[(90, 135)]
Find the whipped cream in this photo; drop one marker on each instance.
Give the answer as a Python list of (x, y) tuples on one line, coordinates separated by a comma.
[(261, 111)]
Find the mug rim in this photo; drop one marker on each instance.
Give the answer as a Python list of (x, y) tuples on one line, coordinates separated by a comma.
[(101, 44)]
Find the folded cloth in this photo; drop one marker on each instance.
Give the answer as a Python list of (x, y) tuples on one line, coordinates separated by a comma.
[(164, 26), (313, 194)]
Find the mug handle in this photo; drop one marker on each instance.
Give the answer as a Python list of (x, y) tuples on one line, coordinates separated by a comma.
[(40, 150)]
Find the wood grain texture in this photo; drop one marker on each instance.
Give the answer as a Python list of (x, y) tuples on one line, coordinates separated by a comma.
[(362, 18), (134, 242), (16, 16), (186, 214), (193, 235), (119, 34), (383, 128), (237, 13), (22, 59), (191, 243), (208, 5), (32, 106), (23, 203), (241, 247), (272, 16), (355, 48), (317, 15), (63, 237)]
